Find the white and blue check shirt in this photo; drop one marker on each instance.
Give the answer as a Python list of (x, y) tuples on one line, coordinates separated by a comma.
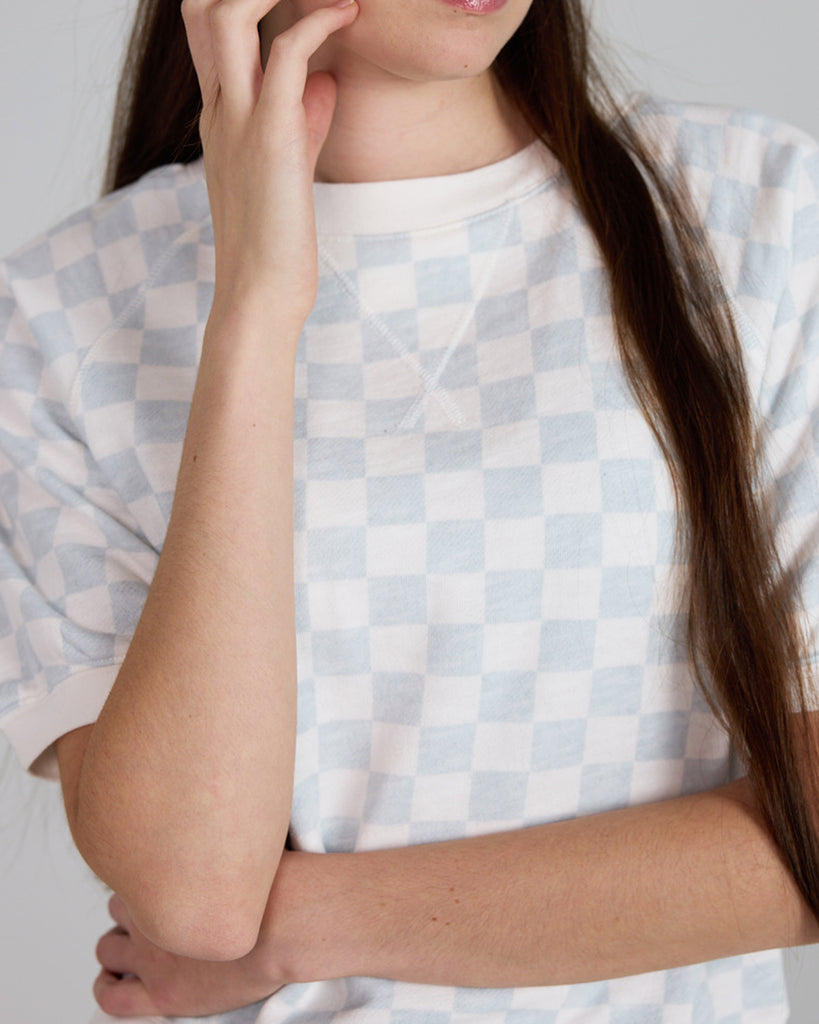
[(486, 585)]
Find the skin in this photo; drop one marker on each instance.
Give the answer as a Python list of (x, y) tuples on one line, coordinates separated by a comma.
[(178, 797), (626, 892), (416, 95), (186, 777)]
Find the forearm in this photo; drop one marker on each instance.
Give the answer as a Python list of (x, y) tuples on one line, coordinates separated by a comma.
[(187, 777), (181, 798), (652, 887)]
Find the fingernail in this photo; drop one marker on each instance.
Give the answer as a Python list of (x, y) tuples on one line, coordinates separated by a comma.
[(345, 3)]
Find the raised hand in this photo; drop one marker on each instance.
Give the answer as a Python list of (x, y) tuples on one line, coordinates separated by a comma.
[(262, 131), (179, 795)]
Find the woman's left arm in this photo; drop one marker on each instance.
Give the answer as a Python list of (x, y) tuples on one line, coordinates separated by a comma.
[(681, 881)]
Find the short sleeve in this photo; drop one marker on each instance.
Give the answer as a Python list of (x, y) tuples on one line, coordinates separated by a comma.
[(789, 365), (754, 182), (99, 325), (101, 321), (74, 568)]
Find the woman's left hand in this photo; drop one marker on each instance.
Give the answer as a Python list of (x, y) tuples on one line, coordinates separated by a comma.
[(140, 979)]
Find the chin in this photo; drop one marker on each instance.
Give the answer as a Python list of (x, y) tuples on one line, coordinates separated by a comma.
[(434, 59), (427, 40)]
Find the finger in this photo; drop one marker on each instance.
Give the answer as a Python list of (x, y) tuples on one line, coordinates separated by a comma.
[(195, 15), (286, 74), (237, 56), (319, 103), (115, 952), (123, 997), (224, 43), (119, 912)]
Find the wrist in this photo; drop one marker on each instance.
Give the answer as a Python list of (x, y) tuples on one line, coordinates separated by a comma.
[(256, 313), (306, 931)]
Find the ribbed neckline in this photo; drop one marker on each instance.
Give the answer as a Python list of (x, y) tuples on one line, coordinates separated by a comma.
[(390, 207)]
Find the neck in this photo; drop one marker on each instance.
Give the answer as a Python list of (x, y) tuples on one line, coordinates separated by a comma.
[(384, 131)]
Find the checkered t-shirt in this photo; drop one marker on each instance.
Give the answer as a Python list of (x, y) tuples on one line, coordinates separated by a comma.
[(486, 587)]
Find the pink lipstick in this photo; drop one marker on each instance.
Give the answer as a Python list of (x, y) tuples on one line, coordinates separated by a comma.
[(477, 6)]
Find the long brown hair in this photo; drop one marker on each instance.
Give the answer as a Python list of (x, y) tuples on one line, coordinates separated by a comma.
[(681, 355)]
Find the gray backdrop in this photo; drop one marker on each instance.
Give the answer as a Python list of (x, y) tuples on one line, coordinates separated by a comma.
[(58, 66)]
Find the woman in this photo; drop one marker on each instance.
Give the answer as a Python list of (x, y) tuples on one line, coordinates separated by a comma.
[(521, 422)]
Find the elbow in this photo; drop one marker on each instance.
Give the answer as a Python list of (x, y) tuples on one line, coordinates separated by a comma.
[(201, 914), (216, 920), (198, 888), (198, 932)]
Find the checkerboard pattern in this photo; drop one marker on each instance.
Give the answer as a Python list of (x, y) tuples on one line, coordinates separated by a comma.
[(486, 591)]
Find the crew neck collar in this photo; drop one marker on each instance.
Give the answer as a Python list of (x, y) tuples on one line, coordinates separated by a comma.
[(391, 207)]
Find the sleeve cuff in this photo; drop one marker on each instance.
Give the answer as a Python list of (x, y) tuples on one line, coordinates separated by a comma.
[(34, 727)]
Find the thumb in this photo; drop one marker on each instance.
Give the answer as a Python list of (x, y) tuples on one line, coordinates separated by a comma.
[(319, 104), (124, 996)]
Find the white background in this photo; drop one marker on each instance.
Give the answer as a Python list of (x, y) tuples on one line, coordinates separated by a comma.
[(58, 69)]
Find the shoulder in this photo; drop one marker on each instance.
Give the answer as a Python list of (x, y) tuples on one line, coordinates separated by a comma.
[(751, 176), (736, 142), (151, 211), (754, 183), (87, 268)]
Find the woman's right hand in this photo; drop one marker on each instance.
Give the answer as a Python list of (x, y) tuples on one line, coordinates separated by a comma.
[(179, 797), (262, 131)]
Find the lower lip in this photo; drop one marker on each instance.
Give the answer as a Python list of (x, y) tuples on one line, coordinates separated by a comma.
[(477, 6)]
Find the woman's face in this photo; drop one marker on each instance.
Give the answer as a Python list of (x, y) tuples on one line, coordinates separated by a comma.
[(418, 40)]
